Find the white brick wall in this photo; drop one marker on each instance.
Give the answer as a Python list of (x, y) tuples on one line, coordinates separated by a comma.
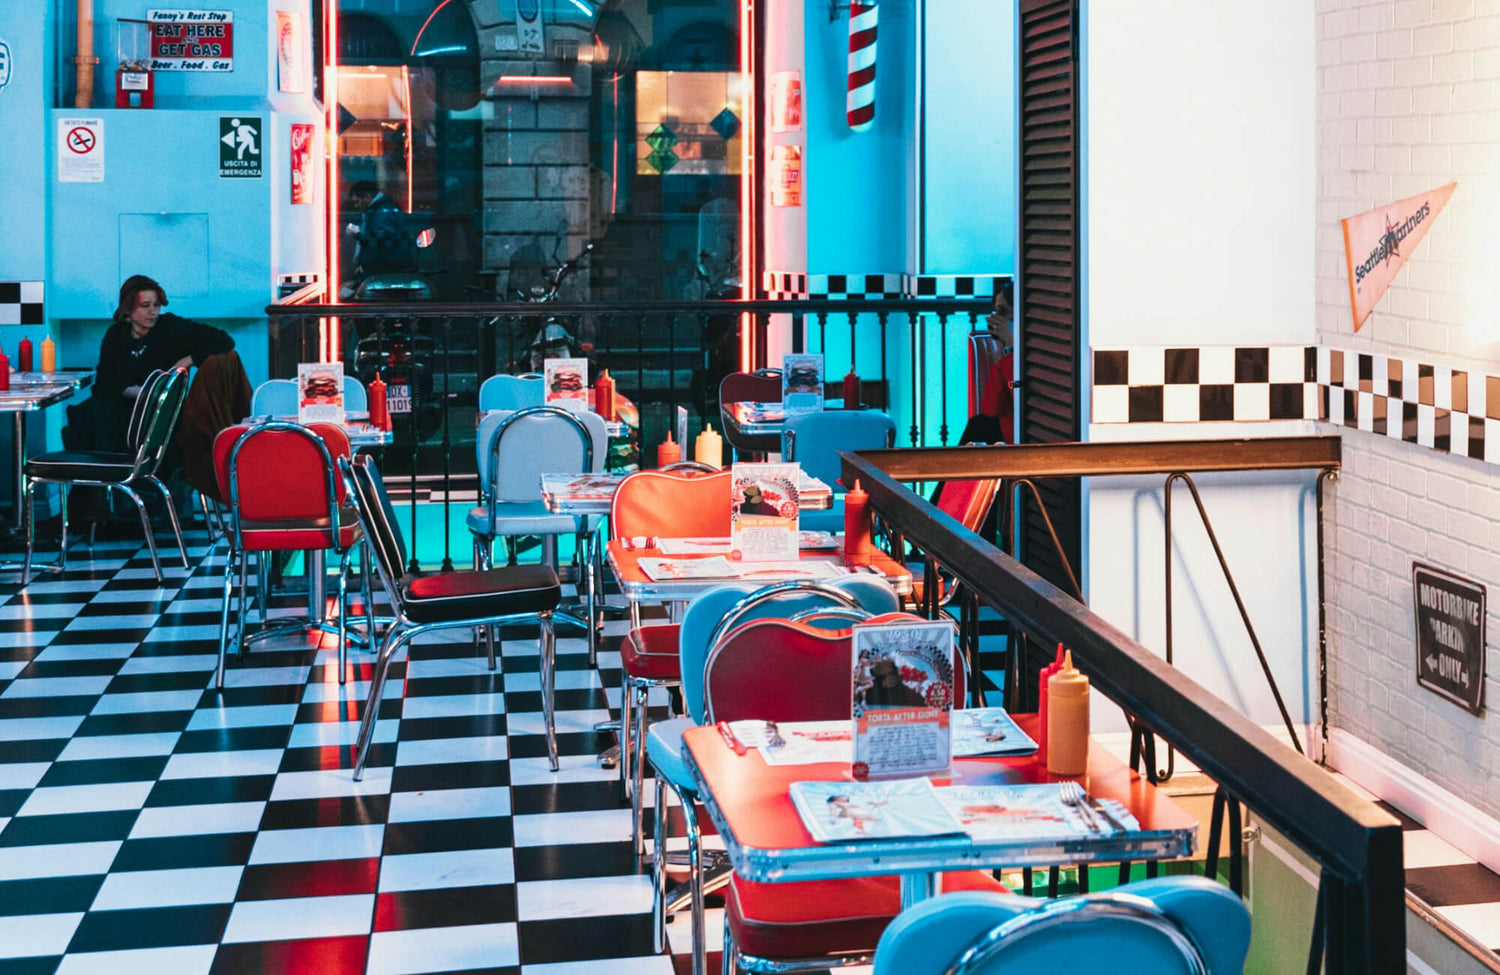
[(1409, 100)]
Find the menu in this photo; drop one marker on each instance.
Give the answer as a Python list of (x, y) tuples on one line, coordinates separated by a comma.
[(763, 511), (974, 732), (802, 383), (566, 379), (816, 541), (581, 487), (988, 731), (719, 567), (843, 811), (903, 696), (320, 392)]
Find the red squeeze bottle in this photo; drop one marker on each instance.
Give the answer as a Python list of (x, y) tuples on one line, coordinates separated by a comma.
[(379, 415), (604, 395), (4, 370), (852, 390), (23, 355), (668, 452), (857, 527), (1041, 711)]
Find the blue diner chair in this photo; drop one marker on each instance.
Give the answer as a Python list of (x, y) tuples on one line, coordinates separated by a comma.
[(814, 440), (1186, 925), (278, 397), (511, 392)]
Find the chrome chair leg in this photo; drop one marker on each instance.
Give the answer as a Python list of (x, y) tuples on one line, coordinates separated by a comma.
[(140, 507), (626, 719), (700, 951), (489, 642), (62, 552), (659, 870), (343, 634), (393, 640), (638, 772), (224, 620), (548, 662), (166, 497), (29, 510), (731, 955), (366, 570)]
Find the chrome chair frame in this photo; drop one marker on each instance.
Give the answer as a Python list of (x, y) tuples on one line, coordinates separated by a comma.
[(284, 627), (403, 630)]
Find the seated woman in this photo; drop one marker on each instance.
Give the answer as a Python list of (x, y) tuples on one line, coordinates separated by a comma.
[(141, 339), (995, 422)]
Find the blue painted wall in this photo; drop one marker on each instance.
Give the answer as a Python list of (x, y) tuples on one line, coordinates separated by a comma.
[(25, 28)]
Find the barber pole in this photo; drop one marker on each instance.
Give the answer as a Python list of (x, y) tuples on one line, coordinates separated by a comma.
[(861, 104)]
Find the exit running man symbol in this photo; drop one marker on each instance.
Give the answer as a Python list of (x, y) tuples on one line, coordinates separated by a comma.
[(241, 138)]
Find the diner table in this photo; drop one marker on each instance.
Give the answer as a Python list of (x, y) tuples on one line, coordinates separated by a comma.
[(624, 557), (592, 494), (766, 840), (31, 392), (614, 428)]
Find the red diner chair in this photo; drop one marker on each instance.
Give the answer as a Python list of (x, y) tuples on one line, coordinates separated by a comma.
[(285, 495), (670, 504), (761, 386), (816, 924)]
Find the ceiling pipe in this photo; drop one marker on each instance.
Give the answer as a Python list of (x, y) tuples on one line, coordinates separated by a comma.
[(83, 97)]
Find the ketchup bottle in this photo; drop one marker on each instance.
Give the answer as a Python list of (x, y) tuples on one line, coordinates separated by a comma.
[(668, 452), (4, 370), (1041, 710), (858, 530), (379, 414), (852, 390), (23, 355), (604, 395)]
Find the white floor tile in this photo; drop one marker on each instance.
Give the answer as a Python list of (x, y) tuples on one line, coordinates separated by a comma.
[(330, 783), (318, 843), (10, 668), (37, 934), (322, 734), (567, 722), (26, 639), (86, 651), (438, 751), (473, 946), (124, 621), (38, 729), (180, 634), (355, 691), (556, 829), (184, 663), (214, 817), (450, 705), (196, 765), (477, 666), (538, 900), (98, 797), (39, 611), (299, 917), (255, 716), (180, 960), (56, 860), (413, 807), (167, 888), (567, 680), (135, 596), (265, 676), (147, 701), (57, 687), (119, 746), (22, 775), (570, 768), (451, 868), (648, 965)]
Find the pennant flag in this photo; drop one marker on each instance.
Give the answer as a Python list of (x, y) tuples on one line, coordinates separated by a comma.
[(1378, 242)]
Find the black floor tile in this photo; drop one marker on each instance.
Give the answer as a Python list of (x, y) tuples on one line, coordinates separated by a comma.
[(309, 813), (327, 878), (570, 939), (446, 906), (457, 775), (91, 771), (572, 860), (173, 852), (447, 834), (69, 828), (312, 956), (156, 927), (58, 894), (187, 792)]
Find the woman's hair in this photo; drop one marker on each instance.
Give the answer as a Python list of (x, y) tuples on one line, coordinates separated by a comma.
[(131, 290), (1005, 294)]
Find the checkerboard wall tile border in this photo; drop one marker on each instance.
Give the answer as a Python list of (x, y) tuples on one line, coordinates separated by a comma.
[(1207, 384), (796, 285), (21, 303)]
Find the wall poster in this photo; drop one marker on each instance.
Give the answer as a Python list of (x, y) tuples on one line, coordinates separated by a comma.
[(301, 144), (785, 176), (191, 40), (80, 150), (786, 101), (1450, 635), (290, 76)]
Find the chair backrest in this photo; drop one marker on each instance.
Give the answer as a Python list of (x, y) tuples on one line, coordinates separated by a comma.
[(145, 403), (377, 520), (522, 445), (984, 351), (1165, 926), (511, 392), (742, 602), (674, 504), (275, 397), (278, 397), (160, 420), (815, 439), (969, 502), (762, 386), (279, 471)]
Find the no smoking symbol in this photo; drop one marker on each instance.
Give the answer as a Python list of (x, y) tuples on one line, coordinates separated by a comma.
[(81, 140)]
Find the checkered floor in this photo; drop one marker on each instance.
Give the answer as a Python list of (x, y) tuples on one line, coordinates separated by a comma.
[(148, 823)]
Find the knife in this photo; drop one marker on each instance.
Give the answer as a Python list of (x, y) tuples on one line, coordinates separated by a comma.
[(1103, 810)]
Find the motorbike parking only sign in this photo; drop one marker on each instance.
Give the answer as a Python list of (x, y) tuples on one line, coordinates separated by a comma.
[(1450, 636), (191, 40)]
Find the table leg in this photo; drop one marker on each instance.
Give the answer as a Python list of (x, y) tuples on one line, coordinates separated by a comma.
[(317, 565), (19, 433), (917, 887)]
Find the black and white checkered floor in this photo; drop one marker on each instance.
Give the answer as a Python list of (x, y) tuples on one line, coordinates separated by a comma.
[(148, 823)]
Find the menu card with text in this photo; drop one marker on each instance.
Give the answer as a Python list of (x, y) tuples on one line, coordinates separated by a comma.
[(320, 392), (763, 512), (843, 811), (903, 697), (802, 383)]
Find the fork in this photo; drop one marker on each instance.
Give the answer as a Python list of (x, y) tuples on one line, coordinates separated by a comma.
[(1072, 794)]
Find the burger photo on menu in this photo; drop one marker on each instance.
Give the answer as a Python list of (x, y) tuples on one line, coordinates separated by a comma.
[(566, 379), (802, 383), (320, 392)]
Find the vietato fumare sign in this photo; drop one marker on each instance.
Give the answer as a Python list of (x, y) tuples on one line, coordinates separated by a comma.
[(1378, 242), (1450, 635)]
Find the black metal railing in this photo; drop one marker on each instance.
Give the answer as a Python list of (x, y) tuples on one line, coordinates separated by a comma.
[(1360, 923), (662, 355)]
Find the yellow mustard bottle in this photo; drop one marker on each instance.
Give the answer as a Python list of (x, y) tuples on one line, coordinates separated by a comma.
[(1068, 720)]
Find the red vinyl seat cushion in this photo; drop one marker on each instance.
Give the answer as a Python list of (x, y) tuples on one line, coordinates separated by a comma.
[(813, 918), (311, 535), (472, 594), (650, 652)]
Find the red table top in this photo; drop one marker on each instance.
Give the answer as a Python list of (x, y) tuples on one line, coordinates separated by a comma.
[(627, 568)]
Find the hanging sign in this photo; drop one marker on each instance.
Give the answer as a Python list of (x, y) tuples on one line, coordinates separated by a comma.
[(80, 150), (786, 101), (302, 165), (1378, 242), (239, 145), (529, 26), (1450, 635), (289, 69), (191, 40), (4, 64), (786, 176)]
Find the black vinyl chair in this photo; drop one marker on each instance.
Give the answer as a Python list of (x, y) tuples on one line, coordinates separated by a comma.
[(422, 602), (150, 431)]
